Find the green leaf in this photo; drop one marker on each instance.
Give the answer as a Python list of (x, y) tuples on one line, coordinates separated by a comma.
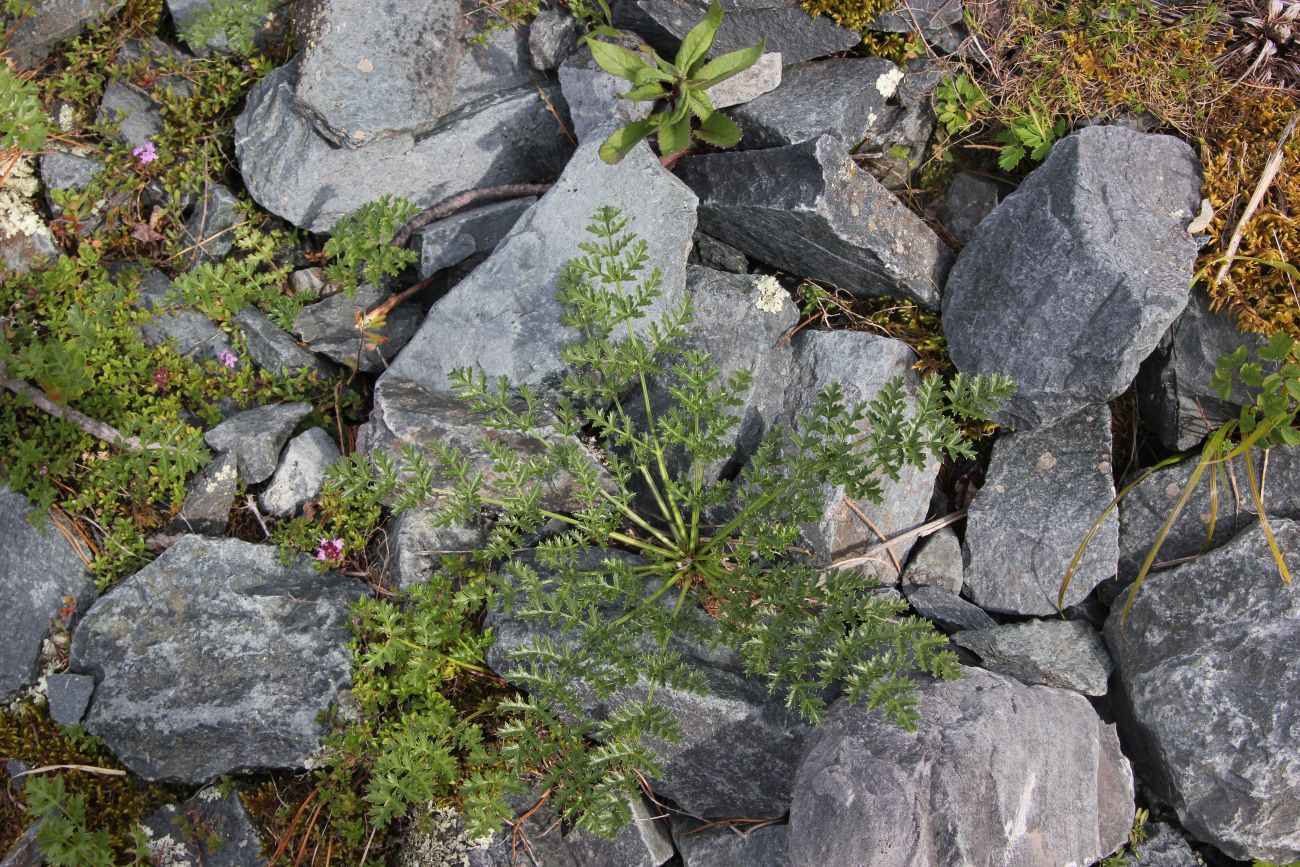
[(1278, 348), (719, 130), (721, 68), (700, 104), (616, 60), (675, 136), (646, 93), (625, 138), (700, 39), (1010, 157)]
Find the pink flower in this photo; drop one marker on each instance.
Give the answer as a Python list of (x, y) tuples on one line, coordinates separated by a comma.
[(330, 551), (145, 153), (228, 358)]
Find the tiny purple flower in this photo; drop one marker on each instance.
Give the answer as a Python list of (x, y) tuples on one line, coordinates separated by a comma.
[(228, 358), (330, 551), (145, 153)]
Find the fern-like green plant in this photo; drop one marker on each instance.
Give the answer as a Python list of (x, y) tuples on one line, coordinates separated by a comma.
[(705, 562), (64, 837), (237, 20), (1031, 134), (361, 244)]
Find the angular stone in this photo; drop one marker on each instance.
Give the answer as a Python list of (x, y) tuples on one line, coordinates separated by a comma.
[(273, 349), (22, 250), (643, 842), (807, 209), (1143, 512), (937, 562), (1071, 281), (552, 36), (504, 317), (763, 77), (25, 852), (139, 118), (189, 332), (1164, 847), (969, 200), (1174, 393), (69, 696), (1042, 493), (499, 63), (210, 829), (416, 546), (844, 98), (946, 610), (330, 327), (712, 253), (209, 226), (212, 494), (919, 15), (1209, 687), (40, 576), (506, 137), (301, 474), (593, 95), (48, 23), (788, 29), (216, 658), (764, 846), (862, 364), (63, 171), (255, 437), (996, 773), (1068, 654), (365, 76), (453, 240), (307, 280)]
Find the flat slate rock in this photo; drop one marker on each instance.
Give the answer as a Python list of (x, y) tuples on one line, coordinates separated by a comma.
[(256, 436), (763, 77), (187, 331), (39, 572), (504, 318), (273, 349), (946, 610), (1063, 653), (1043, 491), (1209, 684), (209, 829), (139, 118), (552, 36), (1164, 847), (996, 773), (937, 562), (216, 658), (415, 546), (329, 327), (206, 511), (68, 696), (209, 227), (807, 209), (509, 136), (301, 475), (764, 846), (1072, 279), (470, 233), (49, 23), (970, 198)]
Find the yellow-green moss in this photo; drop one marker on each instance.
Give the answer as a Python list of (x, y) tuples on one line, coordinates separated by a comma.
[(853, 14)]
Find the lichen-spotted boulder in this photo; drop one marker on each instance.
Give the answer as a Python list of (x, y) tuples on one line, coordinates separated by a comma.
[(216, 658)]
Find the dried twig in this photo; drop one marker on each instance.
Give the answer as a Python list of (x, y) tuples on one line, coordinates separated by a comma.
[(1271, 168), (870, 555), (452, 204), (893, 557), (98, 429)]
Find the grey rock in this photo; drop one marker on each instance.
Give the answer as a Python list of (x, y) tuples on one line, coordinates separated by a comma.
[(1210, 687), (945, 609), (504, 318), (216, 658), (809, 210), (893, 150), (1071, 281), (845, 98), (1063, 653), (267, 33), (307, 280), (366, 76), (970, 198), (69, 696), (552, 36), (416, 546), (453, 240), (764, 76), (187, 331), (919, 15), (63, 171), (206, 511), (301, 475), (1144, 511), (539, 833), (255, 437), (863, 364), (507, 137), (25, 852), (500, 63), (593, 95), (1174, 393), (1164, 847), (764, 846), (38, 569), (272, 348), (48, 23), (209, 829), (712, 253), (208, 228), (788, 29), (937, 563), (996, 773), (20, 251), (1043, 491), (330, 327), (643, 842), (139, 118)]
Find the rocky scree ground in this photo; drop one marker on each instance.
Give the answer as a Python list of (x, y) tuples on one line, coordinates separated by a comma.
[(218, 665)]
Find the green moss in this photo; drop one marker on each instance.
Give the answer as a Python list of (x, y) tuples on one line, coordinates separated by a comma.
[(853, 14)]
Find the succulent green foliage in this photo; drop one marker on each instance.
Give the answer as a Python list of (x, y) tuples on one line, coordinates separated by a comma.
[(361, 244), (64, 836), (237, 20), (1268, 419), (23, 126), (634, 580), (681, 85)]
